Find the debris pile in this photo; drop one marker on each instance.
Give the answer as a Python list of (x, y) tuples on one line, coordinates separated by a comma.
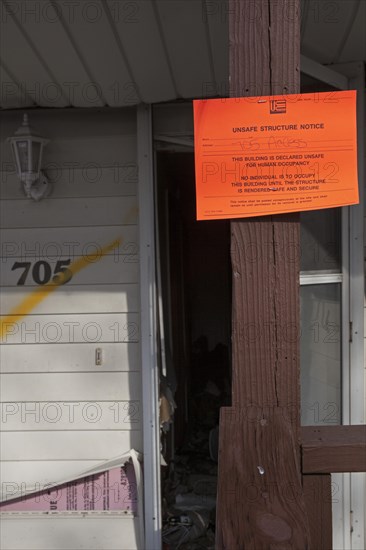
[(191, 480), (190, 477), (190, 502)]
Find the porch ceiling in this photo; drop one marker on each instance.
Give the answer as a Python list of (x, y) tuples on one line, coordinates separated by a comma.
[(81, 53)]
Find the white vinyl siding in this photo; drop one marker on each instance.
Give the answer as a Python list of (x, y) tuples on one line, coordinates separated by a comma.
[(48, 356), (89, 532)]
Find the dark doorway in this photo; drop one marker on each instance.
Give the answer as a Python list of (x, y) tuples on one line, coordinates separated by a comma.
[(195, 328)]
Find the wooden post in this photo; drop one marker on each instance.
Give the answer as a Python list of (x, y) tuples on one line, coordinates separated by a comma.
[(318, 497), (261, 503)]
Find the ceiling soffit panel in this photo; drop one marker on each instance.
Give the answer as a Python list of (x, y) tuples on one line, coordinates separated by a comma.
[(355, 44), (216, 16), (140, 34), (326, 27), (91, 29), (122, 52), (49, 33), (12, 96), (26, 64), (188, 45)]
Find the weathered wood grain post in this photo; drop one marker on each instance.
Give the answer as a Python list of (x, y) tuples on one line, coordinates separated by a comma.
[(261, 504)]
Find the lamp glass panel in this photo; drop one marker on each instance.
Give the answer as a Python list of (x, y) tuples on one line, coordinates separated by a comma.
[(320, 348), (23, 155), (15, 156), (36, 155)]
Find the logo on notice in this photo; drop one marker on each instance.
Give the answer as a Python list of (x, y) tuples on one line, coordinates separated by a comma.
[(277, 106)]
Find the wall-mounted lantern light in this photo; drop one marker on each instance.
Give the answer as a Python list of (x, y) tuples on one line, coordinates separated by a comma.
[(27, 148)]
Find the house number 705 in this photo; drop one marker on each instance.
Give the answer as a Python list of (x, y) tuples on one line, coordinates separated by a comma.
[(42, 272)]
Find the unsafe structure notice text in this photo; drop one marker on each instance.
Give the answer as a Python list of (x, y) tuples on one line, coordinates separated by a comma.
[(257, 156)]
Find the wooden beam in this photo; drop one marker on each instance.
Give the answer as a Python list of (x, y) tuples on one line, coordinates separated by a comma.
[(261, 504), (333, 449), (318, 496)]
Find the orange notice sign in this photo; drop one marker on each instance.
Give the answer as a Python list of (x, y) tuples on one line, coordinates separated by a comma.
[(257, 156)]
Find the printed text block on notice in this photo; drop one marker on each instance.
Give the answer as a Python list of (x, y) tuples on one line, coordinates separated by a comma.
[(257, 156)]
